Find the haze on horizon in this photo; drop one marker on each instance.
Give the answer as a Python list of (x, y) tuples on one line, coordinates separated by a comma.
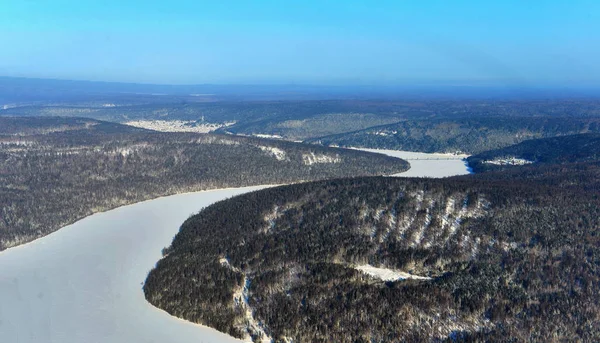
[(540, 43)]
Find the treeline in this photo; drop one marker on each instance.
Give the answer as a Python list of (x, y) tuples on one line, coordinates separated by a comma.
[(555, 150), (470, 135), (80, 167), (27, 126), (508, 260)]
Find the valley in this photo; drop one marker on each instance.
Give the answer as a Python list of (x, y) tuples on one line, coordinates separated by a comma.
[(54, 171), (299, 172), (429, 125), (87, 277)]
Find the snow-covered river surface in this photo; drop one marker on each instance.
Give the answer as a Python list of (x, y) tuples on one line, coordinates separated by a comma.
[(429, 165), (83, 283)]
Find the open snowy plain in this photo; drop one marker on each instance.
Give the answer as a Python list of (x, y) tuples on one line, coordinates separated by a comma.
[(83, 283)]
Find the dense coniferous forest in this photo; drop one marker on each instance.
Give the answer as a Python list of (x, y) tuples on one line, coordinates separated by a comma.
[(507, 261), (555, 150), (469, 135), (54, 171)]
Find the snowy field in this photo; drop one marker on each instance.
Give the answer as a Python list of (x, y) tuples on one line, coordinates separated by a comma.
[(386, 274), (83, 283)]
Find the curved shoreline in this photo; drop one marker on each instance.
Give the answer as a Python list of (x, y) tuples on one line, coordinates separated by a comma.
[(84, 281)]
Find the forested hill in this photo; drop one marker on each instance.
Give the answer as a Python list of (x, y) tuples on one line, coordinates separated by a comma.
[(559, 150), (27, 126), (470, 135), (485, 260), (55, 171), (470, 126)]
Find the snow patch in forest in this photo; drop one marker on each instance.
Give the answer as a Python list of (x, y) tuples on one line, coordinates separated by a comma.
[(420, 234), (224, 261), (11, 141), (448, 211), (459, 217), (279, 154), (509, 161), (241, 298), (271, 217), (213, 139), (312, 158), (263, 135), (386, 274)]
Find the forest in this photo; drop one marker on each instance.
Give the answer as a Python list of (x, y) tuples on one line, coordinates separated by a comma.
[(555, 150), (425, 125), (54, 171), (507, 255), (470, 135)]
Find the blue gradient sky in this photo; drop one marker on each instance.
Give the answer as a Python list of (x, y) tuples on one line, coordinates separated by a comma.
[(542, 43)]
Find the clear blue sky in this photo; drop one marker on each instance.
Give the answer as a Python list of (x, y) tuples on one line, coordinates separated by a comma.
[(533, 42)]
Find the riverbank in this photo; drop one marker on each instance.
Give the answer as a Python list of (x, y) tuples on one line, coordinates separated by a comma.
[(83, 283)]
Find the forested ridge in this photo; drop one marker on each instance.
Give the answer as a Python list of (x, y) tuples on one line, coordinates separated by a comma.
[(469, 135), (54, 171), (470, 126), (510, 258), (128, 107), (555, 150)]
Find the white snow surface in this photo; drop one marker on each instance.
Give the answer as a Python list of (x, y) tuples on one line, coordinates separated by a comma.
[(263, 135), (279, 154), (509, 161), (312, 158), (386, 274), (428, 165), (83, 283), (177, 125)]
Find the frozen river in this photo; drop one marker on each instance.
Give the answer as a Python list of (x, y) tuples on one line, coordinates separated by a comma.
[(83, 283), (428, 165)]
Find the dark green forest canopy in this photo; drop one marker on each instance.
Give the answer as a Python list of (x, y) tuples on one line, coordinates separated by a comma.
[(27, 126), (579, 148), (507, 259), (54, 171), (469, 135)]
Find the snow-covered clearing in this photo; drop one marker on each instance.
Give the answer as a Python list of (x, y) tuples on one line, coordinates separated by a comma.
[(264, 135), (177, 125), (509, 161), (386, 274), (312, 158), (279, 154)]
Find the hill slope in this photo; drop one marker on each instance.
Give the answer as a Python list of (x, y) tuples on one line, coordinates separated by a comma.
[(469, 135), (557, 150), (27, 126), (55, 171), (485, 260), (417, 125)]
